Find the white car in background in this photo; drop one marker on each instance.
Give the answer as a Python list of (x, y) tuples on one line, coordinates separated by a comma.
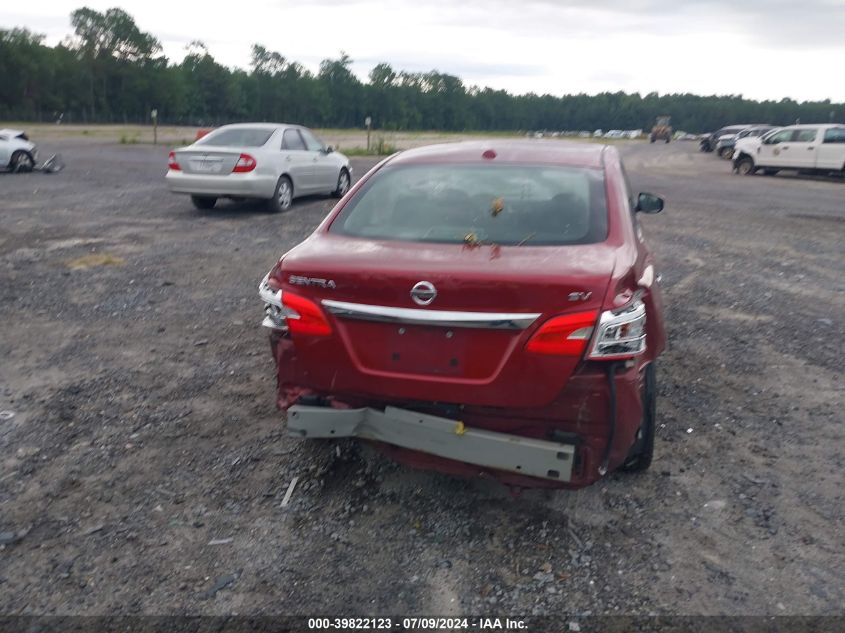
[(17, 152), (275, 162), (811, 148)]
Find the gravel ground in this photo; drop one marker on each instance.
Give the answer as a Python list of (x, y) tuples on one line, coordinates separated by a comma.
[(144, 468)]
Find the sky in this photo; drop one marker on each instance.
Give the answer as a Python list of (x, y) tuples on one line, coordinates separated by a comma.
[(761, 49)]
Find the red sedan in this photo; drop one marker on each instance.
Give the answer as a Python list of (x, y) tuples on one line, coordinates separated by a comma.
[(478, 308)]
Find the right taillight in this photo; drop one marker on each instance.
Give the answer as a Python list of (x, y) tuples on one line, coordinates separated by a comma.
[(172, 163), (244, 164), (620, 334)]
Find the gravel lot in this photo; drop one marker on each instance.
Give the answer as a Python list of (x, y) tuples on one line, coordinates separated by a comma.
[(145, 465)]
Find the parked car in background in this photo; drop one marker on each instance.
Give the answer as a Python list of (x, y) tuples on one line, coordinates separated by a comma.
[(708, 143), (478, 308), (275, 162), (17, 152), (809, 148), (725, 145)]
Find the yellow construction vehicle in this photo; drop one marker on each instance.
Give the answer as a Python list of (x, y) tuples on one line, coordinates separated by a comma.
[(662, 129)]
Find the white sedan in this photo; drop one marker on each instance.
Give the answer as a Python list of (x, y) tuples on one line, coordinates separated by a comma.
[(271, 161), (17, 152)]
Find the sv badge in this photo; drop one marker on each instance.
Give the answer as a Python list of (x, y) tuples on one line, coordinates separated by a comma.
[(580, 296)]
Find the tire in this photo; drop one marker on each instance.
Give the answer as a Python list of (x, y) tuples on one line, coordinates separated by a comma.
[(282, 196), (726, 152), (745, 166), (651, 139), (204, 202), (668, 139), (642, 452), (21, 162), (343, 183), (770, 172)]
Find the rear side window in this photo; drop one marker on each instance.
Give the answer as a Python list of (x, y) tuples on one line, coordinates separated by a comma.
[(237, 137), (530, 205), (292, 140), (834, 135)]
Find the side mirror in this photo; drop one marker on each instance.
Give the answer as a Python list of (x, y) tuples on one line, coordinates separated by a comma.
[(328, 150), (649, 203)]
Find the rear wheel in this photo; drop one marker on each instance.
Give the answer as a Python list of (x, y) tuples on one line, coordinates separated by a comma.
[(651, 138), (642, 452), (343, 182), (282, 197), (21, 162), (204, 202), (745, 166), (668, 138)]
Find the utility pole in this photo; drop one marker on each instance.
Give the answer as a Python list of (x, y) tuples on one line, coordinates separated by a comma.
[(368, 122), (154, 117)]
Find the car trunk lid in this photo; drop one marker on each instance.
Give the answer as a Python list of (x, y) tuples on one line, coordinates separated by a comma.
[(462, 343), (216, 162)]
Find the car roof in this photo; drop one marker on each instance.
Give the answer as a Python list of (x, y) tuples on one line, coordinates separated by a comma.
[(10, 132), (260, 125), (804, 126), (507, 151)]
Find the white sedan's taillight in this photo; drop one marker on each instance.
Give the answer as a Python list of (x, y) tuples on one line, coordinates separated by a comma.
[(620, 333), (172, 163), (246, 163)]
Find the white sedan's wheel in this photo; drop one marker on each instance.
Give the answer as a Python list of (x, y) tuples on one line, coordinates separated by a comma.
[(283, 196), (343, 183)]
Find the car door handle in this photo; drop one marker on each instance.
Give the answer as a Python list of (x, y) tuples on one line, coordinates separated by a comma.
[(785, 147), (811, 147), (287, 158)]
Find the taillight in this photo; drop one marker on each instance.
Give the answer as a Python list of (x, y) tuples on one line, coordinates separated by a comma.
[(172, 163), (305, 316), (621, 333), (245, 163), (565, 335)]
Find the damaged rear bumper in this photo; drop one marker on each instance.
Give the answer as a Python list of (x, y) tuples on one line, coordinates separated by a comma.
[(434, 435)]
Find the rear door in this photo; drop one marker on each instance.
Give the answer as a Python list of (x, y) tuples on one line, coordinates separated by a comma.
[(297, 161), (831, 151)]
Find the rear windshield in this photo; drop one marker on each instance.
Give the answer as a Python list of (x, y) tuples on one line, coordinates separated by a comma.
[(237, 137), (479, 204)]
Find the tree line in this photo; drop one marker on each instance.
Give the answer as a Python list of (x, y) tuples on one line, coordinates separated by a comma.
[(109, 71)]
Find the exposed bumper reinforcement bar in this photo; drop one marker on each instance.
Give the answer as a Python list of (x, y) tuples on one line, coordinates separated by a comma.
[(437, 436)]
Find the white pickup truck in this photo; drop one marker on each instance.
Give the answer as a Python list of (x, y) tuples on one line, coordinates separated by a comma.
[(811, 148)]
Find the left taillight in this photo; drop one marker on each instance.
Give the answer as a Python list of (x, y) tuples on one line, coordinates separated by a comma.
[(289, 312), (172, 163), (245, 163), (564, 335)]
